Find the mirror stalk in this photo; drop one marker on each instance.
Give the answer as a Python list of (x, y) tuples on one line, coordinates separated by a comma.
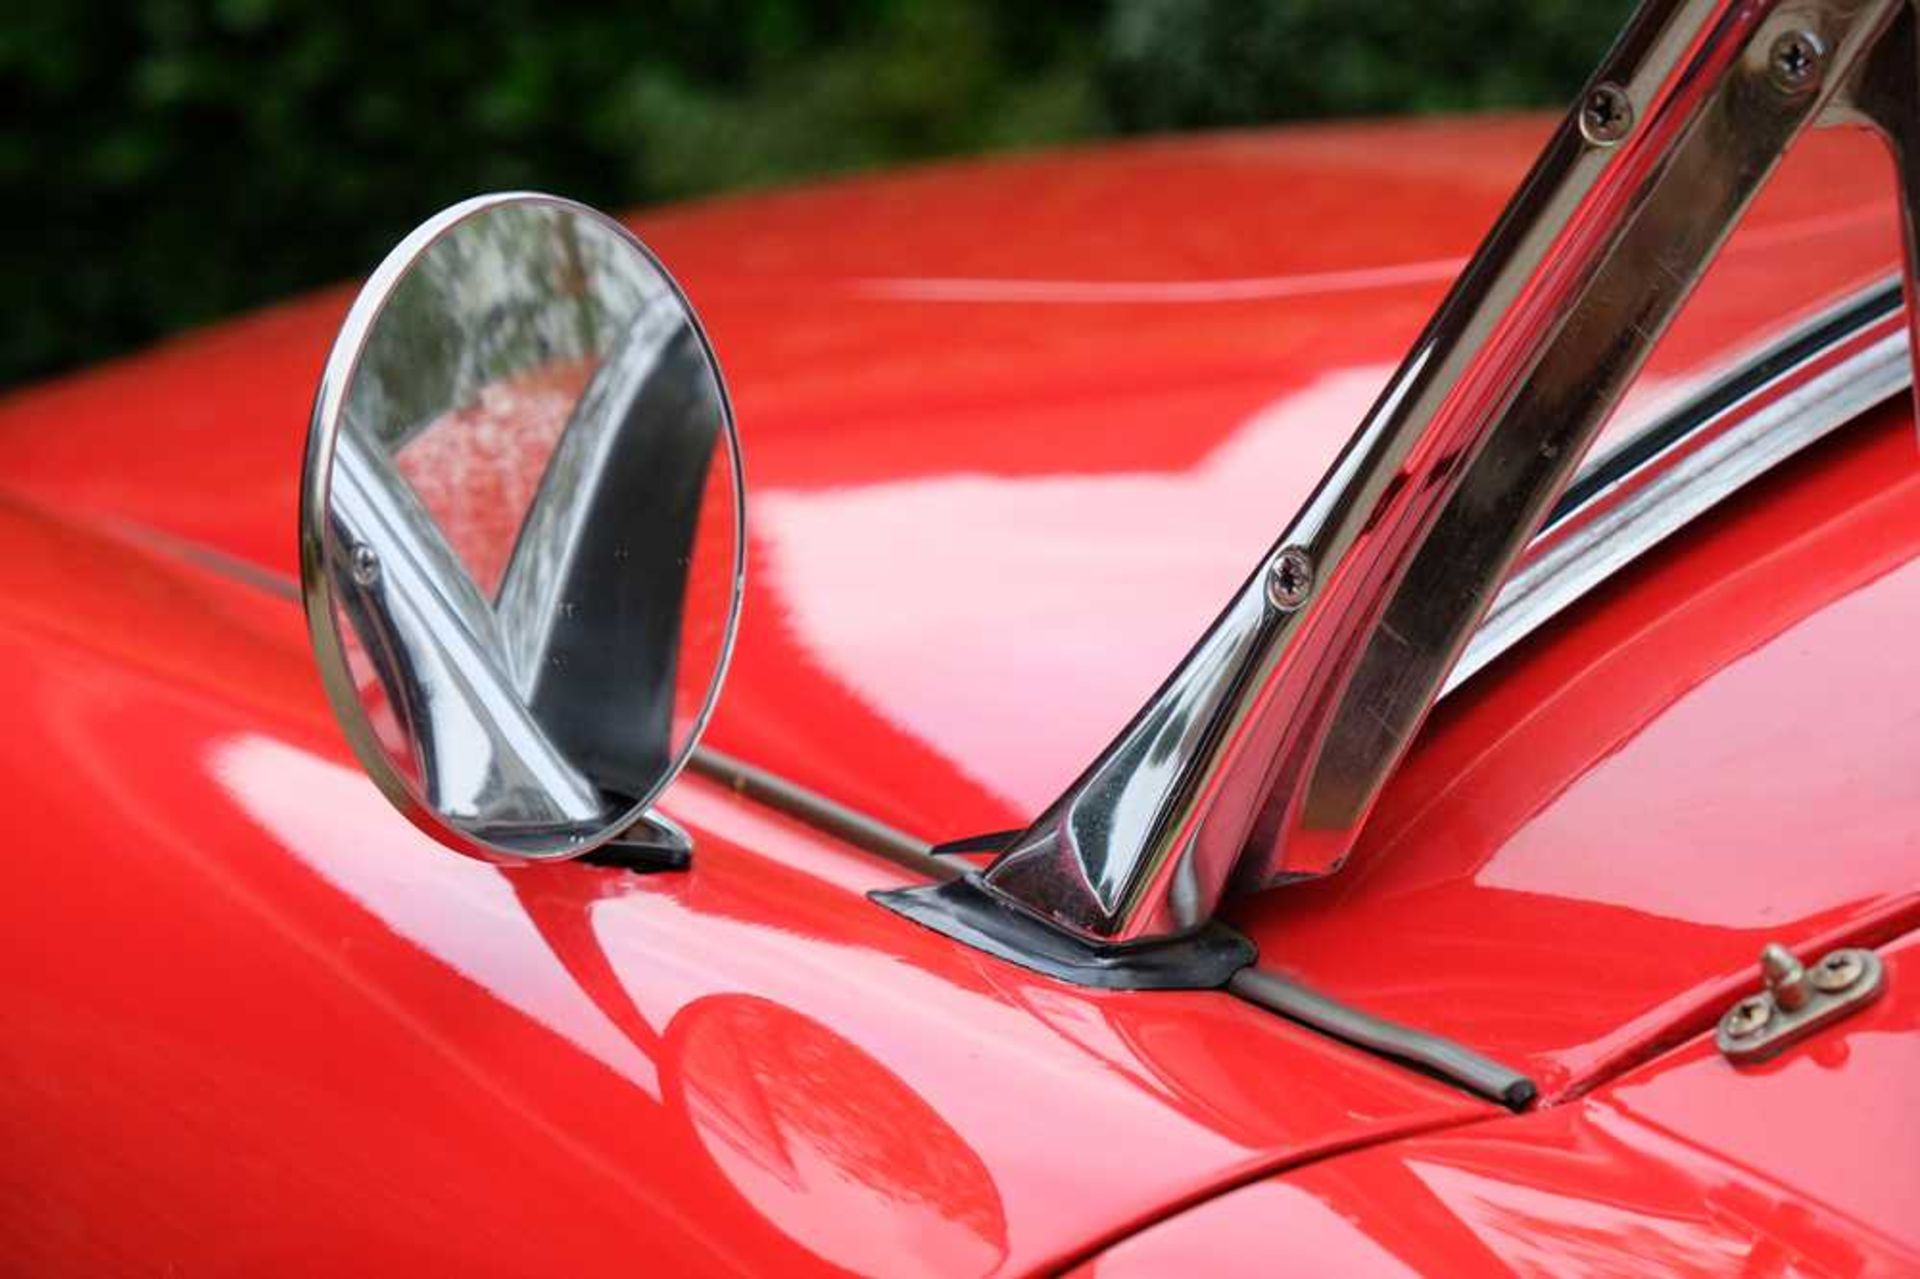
[(1259, 759)]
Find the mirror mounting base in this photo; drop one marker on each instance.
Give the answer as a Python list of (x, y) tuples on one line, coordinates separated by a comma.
[(654, 843), (967, 911)]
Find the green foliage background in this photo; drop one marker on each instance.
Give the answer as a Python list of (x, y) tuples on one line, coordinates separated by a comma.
[(176, 160)]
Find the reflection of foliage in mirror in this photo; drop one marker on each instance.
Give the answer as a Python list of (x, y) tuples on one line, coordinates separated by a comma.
[(506, 292)]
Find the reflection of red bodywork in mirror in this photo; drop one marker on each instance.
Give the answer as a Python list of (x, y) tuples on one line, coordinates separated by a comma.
[(477, 468)]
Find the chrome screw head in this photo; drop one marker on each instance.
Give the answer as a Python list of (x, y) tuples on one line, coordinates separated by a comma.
[(1607, 114), (365, 565), (1748, 1017), (1794, 61), (1837, 971), (1289, 579)]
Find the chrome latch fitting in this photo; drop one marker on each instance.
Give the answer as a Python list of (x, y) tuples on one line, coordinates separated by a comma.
[(1798, 1000)]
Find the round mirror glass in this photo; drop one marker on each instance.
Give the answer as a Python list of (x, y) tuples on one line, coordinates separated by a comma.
[(521, 527)]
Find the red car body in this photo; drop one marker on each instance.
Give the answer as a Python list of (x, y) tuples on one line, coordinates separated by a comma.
[(1012, 430)]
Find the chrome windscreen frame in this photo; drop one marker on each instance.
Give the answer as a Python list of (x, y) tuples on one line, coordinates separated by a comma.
[(1259, 759)]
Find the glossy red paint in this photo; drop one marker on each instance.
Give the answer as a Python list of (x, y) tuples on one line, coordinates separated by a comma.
[(1808, 1164), (254, 1021), (1012, 431), (1594, 839)]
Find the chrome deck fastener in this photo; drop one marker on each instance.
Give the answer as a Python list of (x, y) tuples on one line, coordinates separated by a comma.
[(1786, 977), (1798, 1000)]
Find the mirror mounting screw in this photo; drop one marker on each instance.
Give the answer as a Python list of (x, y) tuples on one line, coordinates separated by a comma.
[(1289, 579), (366, 565), (1607, 114), (1794, 61)]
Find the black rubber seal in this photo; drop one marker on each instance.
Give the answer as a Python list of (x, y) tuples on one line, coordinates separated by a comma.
[(641, 859), (968, 912)]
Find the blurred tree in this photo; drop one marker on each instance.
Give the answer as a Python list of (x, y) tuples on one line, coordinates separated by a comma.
[(181, 159), (1183, 64)]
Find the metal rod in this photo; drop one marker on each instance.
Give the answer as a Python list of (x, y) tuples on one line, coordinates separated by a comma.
[(823, 814), (1442, 1057)]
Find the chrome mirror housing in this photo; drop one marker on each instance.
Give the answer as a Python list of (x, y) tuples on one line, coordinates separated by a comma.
[(521, 530)]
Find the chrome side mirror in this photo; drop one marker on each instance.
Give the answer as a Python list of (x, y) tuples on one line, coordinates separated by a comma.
[(521, 530)]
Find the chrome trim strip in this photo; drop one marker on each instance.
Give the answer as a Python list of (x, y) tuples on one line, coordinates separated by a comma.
[(1737, 382), (1734, 443), (816, 810), (210, 559)]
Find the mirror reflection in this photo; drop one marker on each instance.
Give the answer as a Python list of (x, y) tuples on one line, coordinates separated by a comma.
[(521, 531)]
